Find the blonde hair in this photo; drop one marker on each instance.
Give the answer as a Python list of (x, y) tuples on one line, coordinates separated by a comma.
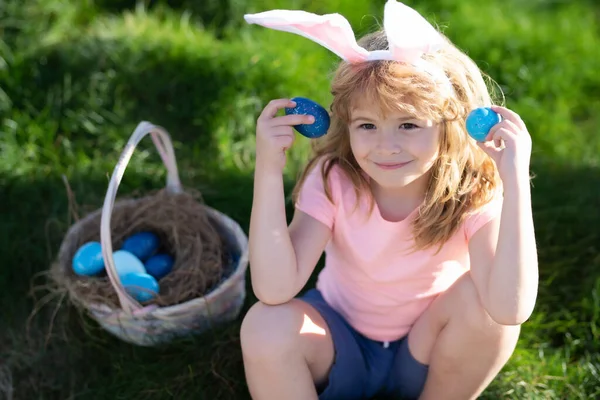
[(463, 177)]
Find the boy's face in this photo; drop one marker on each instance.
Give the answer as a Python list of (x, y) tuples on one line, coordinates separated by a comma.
[(396, 150)]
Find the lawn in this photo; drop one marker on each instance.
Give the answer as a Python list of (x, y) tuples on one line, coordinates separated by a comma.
[(76, 76)]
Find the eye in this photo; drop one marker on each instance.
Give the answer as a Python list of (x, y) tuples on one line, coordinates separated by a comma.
[(408, 126), (367, 126)]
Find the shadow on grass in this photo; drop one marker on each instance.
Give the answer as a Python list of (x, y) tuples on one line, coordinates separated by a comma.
[(92, 84), (67, 354), (215, 14), (95, 81), (566, 203), (82, 360)]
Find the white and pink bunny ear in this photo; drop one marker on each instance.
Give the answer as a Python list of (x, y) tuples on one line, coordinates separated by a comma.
[(331, 31), (409, 34)]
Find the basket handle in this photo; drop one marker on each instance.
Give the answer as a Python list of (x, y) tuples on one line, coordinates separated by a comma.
[(163, 144)]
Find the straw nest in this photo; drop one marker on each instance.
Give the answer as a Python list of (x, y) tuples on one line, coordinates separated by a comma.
[(186, 230)]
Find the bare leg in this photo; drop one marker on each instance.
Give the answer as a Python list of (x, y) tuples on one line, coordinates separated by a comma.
[(287, 349), (464, 348)]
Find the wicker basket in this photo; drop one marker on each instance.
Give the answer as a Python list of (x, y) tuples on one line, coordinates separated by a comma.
[(152, 325)]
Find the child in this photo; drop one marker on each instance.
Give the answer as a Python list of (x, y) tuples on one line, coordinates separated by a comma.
[(431, 262)]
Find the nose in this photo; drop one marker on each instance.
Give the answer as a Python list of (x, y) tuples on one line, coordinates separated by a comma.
[(389, 142)]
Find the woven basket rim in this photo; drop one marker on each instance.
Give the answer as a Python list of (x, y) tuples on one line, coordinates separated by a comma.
[(166, 311)]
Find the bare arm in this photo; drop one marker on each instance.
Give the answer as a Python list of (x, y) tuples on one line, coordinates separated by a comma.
[(272, 257), (281, 259), (503, 254), (504, 261)]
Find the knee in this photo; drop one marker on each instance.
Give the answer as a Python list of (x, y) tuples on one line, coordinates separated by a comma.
[(270, 331)]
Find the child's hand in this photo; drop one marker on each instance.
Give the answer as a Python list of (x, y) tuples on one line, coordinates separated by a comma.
[(509, 145), (274, 135)]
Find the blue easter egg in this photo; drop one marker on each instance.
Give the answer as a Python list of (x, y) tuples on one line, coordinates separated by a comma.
[(127, 263), (159, 265), (480, 121), (88, 259), (142, 244), (306, 106), (140, 286)]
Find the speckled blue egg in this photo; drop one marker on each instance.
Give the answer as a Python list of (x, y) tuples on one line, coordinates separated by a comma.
[(480, 121), (88, 259), (126, 263), (159, 265), (306, 106), (141, 244), (140, 286)]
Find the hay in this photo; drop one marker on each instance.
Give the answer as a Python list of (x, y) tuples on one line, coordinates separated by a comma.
[(6, 383), (186, 231)]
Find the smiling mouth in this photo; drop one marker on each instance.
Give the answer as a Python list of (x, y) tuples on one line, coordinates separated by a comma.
[(388, 166)]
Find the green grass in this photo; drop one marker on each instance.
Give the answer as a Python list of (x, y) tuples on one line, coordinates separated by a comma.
[(77, 76)]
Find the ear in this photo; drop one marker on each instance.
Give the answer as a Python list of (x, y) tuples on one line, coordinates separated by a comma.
[(331, 31), (409, 34)]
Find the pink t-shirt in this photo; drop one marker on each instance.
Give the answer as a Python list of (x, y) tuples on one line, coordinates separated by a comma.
[(371, 276)]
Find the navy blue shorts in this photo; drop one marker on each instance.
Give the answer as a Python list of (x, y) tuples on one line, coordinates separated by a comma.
[(365, 368)]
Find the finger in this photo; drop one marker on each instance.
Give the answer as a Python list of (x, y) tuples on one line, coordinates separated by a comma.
[(266, 129), (271, 109), (510, 125), (292, 119), (284, 141), (491, 150), (491, 139), (282, 131), (510, 116), (506, 125), (490, 146), (502, 137)]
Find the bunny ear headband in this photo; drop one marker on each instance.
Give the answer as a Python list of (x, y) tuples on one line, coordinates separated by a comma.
[(409, 34)]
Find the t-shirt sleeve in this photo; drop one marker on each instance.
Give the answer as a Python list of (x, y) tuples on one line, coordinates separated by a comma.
[(479, 218), (312, 199)]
